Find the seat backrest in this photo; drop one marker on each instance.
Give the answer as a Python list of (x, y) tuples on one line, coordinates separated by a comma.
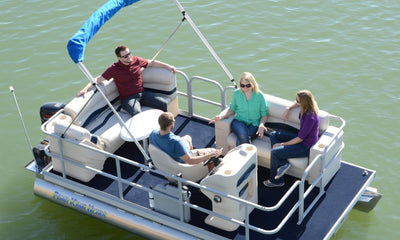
[(159, 80), (277, 106), (91, 104), (167, 164)]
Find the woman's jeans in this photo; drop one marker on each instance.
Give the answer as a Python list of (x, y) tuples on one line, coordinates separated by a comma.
[(243, 133), (280, 155), (133, 104)]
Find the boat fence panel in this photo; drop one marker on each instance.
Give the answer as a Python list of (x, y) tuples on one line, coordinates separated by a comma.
[(233, 195)]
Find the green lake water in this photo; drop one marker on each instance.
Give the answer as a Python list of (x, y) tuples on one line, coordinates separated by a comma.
[(346, 52)]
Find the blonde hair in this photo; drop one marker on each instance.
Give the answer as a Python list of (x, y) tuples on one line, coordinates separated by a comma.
[(249, 78), (307, 102)]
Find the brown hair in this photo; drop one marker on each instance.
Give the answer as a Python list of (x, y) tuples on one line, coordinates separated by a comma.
[(165, 120), (307, 102), (119, 49)]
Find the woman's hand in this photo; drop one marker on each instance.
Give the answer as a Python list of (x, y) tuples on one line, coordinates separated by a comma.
[(261, 126), (214, 119), (287, 110), (293, 141), (286, 114), (277, 145), (260, 131)]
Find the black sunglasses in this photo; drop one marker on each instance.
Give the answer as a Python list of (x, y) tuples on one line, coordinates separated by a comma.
[(247, 85), (126, 55)]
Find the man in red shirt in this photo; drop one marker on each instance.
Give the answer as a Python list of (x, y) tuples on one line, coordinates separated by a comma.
[(127, 76)]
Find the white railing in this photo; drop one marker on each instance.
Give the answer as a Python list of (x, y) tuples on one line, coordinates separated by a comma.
[(300, 184)]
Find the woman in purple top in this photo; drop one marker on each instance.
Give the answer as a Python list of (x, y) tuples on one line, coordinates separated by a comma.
[(286, 145)]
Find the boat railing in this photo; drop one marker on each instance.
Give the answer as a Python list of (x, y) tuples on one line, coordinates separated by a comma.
[(319, 158), (303, 193), (120, 181), (248, 205), (191, 97), (299, 184), (142, 167)]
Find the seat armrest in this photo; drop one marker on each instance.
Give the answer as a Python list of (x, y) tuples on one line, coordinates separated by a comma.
[(78, 133), (327, 140), (222, 130), (165, 163), (92, 100), (331, 160)]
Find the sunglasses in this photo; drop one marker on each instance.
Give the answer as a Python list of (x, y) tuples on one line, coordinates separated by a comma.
[(245, 85), (126, 55)]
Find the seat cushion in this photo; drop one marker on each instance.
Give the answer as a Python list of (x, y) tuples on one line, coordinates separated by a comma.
[(263, 146)]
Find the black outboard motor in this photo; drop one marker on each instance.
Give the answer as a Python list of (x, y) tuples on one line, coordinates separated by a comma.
[(47, 110)]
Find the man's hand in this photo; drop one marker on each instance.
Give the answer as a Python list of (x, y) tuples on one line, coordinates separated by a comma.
[(172, 69), (81, 93)]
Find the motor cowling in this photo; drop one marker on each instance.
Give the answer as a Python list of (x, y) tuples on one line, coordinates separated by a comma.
[(47, 110)]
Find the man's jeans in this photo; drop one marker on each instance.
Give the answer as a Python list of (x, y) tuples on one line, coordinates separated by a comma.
[(280, 155), (133, 104)]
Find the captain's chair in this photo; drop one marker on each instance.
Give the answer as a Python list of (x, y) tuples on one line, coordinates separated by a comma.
[(165, 163)]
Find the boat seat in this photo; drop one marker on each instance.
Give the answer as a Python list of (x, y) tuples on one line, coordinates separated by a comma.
[(276, 106), (165, 163), (158, 80), (75, 152), (95, 124)]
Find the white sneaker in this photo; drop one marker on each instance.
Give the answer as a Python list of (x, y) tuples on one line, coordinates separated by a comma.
[(268, 183)]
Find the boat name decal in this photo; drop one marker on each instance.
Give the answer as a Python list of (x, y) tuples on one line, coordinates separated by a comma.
[(73, 202)]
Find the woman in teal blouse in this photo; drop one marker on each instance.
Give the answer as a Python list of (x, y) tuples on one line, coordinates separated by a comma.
[(251, 109)]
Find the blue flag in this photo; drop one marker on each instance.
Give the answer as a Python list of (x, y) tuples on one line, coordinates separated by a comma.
[(76, 45)]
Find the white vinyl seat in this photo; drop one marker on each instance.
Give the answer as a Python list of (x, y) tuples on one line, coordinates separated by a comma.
[(165, 163)]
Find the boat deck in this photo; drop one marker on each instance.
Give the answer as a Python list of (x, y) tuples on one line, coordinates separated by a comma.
[(323, 220)]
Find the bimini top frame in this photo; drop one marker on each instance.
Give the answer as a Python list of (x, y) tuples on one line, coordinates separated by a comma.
[(77, 44)]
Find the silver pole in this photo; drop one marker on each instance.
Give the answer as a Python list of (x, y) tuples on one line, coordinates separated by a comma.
[(20, 116), (93, 81), (165, 43), (204, 40)]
